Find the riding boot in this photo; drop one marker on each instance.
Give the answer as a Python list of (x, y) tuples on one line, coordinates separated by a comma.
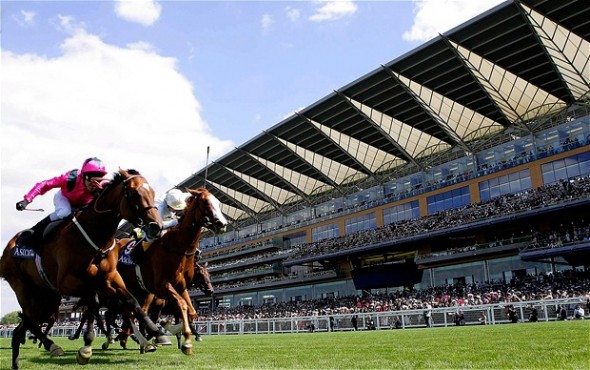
[(33, 236), (138, 253)]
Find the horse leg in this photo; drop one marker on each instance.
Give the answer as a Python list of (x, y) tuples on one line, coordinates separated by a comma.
[(84, 354), (187, 346), (109, 321), (192, 315), (195, 330), (177, 335), (78, 331), (18, 337), (130, 305), (47, 330), (133, 306)]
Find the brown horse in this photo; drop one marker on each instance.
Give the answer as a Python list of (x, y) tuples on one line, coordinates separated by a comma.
[(201, 281), (169, 263), (78, 260)]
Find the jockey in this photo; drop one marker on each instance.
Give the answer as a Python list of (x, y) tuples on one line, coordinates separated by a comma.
[(77, 188), (170, 208)]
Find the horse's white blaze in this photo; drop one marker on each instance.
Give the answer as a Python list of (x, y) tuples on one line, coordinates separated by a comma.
[(217, 209), (147, 186)]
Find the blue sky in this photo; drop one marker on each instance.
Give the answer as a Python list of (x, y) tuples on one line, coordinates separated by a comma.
[(150, 84)]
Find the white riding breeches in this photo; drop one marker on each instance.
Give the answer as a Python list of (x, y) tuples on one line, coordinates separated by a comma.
[(63, 208)]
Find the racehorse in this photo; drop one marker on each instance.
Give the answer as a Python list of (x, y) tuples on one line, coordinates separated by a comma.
[(169, 263), (78, 260), (201, 281)]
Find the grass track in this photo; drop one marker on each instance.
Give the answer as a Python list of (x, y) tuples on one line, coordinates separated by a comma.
[(551, 345)]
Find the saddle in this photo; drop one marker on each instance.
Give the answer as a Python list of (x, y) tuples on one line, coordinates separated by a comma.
[(25, 249)]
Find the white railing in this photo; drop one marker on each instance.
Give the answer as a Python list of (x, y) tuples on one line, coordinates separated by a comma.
[(441, 317)]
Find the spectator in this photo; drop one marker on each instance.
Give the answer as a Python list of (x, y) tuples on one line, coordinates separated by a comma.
[(397, 324), (483, 319), (512, 315), (459, 318), (561, 313), (427, 315), (534, 316), (579, 313), (371, 324)]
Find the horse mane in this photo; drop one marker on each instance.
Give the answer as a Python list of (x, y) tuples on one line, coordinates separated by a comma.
[(117, 179)]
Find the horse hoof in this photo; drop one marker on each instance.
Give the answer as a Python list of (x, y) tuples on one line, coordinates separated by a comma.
[(105, 346), (147, 348), (162, 340), (199, 339), (187, 349), (83, 355), (55, 350)]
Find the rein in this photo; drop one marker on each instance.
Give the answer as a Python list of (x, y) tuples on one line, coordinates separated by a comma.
[(75, 220)]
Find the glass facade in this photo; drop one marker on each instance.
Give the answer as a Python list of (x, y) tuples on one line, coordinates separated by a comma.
[(561, 169), (360, 223), (325, 231), (406, 211), (340, 288), (507, 184), (451, 199)]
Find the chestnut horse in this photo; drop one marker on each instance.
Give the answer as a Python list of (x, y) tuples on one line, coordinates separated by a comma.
[(168, 266), (78, 260), (201, 281)]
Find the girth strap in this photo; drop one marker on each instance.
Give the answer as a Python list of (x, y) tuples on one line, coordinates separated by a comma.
[(42, 272), (90, 240), (140, 278)]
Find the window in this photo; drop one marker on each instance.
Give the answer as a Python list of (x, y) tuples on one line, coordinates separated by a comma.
[(507, 184), (360, 223), (451, 199), (325, 232), (407, 211), (577, 165)]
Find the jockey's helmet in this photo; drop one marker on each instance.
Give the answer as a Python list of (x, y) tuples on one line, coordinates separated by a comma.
[(176, 199), (93, 167)]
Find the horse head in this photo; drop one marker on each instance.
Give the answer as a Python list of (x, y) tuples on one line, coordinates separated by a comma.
[(202, 280), (205, 208), (136, 203)]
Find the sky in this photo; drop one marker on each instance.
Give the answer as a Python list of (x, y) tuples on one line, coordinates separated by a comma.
[(149, 85)]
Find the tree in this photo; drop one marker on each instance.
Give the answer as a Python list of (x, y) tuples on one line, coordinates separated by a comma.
[(10, 318)]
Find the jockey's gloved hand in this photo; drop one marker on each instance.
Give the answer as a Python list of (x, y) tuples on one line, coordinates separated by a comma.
[(137, 233), (22, 205)]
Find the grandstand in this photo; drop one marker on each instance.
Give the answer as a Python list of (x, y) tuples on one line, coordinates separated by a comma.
[(464, 161)]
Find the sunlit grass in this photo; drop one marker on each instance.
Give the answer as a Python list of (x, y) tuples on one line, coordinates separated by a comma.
[(553, 345)]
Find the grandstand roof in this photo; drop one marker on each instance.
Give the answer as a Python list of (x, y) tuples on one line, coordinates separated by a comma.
[(505, 67)]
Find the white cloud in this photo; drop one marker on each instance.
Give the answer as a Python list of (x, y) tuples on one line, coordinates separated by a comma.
[(25, 18), (438, 16), (266, 21), (333, 10), (292, 13), (145, 12), (128, 106)]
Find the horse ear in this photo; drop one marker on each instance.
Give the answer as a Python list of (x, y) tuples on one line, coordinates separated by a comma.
[(205, 264), (123, 173)]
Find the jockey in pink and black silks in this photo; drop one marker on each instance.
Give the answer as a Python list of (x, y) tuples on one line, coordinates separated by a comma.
[(77, 188)]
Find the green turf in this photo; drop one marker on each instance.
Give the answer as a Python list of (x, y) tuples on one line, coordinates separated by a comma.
[(552, 345)]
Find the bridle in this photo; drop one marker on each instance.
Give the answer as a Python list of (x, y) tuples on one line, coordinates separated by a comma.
[(129, 200)]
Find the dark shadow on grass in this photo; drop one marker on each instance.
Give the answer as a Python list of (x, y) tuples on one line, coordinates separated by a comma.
[(110, 357)]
